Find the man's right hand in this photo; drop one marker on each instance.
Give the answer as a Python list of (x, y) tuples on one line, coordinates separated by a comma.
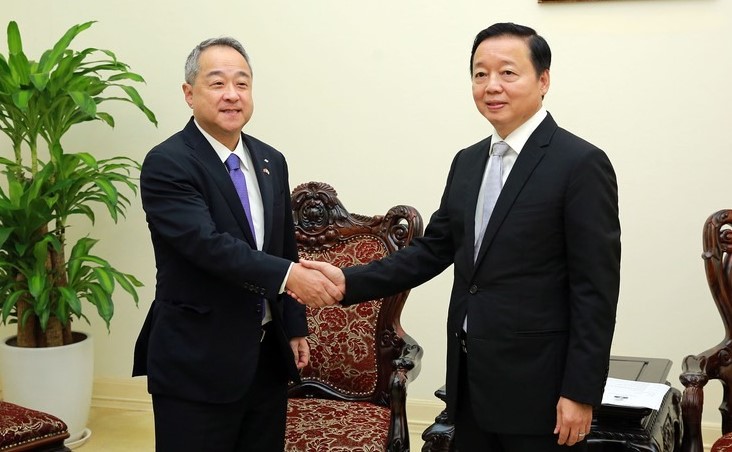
[(315, 285), (314, 296)]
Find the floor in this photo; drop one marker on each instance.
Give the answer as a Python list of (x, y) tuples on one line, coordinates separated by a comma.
[(114, 430)]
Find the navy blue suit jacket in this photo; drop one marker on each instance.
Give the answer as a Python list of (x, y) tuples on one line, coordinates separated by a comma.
[(541, 296), (201, 339)]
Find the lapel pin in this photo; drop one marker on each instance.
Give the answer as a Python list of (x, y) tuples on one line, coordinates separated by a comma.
[(266, 161), (265, 171)]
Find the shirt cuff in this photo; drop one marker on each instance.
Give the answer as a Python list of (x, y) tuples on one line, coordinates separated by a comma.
[(284, 282)]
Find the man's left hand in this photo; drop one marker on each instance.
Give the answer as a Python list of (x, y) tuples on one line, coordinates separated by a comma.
[(573, 421), (301, 351)]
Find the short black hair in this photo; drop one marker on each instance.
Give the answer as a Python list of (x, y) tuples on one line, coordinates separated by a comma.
[(541, 54)]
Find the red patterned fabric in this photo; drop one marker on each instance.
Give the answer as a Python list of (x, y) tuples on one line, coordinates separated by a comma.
[(723, 444), (342, 339), (320, 425), (20, 425)]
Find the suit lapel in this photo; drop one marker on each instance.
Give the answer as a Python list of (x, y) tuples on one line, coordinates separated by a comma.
[(528, 159), (262, 172), (204, 153)]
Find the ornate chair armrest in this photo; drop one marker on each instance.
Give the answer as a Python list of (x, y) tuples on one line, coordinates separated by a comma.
[(694, 378), (406, 369)]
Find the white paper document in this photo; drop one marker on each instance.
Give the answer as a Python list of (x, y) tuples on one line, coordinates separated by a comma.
[(637, 394)]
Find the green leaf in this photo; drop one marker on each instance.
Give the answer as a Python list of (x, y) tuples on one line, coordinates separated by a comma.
[(137, 100), (106, 117), (103, 302), (106, 280), (36, 285), (60, 47), (127, 76), (40, 80), (21, 98), (4, 234), (85, 102), (71, 299), (10, 303), (128, 283), (108, 189), (15, 44)]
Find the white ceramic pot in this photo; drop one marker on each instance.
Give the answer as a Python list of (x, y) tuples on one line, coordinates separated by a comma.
[(56, 380)]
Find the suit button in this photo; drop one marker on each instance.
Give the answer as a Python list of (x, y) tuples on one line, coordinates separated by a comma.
[(473, 289)]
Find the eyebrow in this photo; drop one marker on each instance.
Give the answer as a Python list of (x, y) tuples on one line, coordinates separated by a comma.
[(217, 72)]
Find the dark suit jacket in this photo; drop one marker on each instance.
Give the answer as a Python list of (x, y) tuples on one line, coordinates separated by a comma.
[(542, 295), (201, 338)]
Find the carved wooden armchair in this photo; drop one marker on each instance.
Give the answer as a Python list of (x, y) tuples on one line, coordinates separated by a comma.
[(353, 392), (23, 429), (715, 363)]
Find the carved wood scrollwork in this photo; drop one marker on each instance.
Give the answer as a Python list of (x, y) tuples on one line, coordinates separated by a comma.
[(716, 362), (321, 220)]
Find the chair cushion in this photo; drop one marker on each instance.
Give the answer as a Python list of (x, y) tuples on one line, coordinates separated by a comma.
[(343, 339), (22, 426), (316, 425), (723, 444)]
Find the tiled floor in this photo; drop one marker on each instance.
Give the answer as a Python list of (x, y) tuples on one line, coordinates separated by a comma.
[(114, 430)]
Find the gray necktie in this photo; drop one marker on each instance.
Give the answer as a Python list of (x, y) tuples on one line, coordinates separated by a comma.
[(492, 188)]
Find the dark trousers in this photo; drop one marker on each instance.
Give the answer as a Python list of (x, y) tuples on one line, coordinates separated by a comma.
[(470, 437), (256, 423)]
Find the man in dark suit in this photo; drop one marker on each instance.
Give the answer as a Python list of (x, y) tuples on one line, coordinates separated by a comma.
[(221, 339), (532, 309)]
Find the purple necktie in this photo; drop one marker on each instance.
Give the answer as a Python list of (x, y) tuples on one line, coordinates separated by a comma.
[(240, 183)]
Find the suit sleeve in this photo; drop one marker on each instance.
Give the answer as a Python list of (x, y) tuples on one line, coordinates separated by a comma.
[(293, 312), (592, 236), (423, 259), (179, 207)]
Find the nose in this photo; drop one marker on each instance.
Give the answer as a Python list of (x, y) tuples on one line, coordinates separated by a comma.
[(230, 92), (493, 84)]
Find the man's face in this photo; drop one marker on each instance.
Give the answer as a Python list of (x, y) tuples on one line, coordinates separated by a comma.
[(506, 89), (221, 95)]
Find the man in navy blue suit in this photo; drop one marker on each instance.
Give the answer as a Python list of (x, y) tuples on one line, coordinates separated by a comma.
[(221, 338), (532, 309)]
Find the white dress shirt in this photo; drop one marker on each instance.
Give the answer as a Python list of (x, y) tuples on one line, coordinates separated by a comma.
[(255, 196), (515, 141)]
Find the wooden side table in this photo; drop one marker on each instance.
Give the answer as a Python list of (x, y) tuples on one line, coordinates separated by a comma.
[(613, 428)]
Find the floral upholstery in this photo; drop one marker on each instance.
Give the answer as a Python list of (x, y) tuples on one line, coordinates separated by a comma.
[(723, 444), (352, 394), (26, 429), (342, 339), (318, 426)]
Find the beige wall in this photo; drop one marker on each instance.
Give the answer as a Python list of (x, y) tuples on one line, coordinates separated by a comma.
[(358, 93)]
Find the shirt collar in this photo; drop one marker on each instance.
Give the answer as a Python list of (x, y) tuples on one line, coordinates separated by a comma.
[(518, 138), (222, 151)]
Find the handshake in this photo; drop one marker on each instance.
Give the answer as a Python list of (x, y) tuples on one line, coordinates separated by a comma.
[(316, 284)]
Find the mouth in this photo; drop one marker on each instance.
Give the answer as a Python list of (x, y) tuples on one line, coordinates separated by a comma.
[(495, 105)]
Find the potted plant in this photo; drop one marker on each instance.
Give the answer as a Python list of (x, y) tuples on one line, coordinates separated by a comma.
[(44, 279)]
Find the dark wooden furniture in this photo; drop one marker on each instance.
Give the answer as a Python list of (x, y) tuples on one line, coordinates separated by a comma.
[(353, 392), (23, 429), (613, 428), (715, 363), (638, 429)]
